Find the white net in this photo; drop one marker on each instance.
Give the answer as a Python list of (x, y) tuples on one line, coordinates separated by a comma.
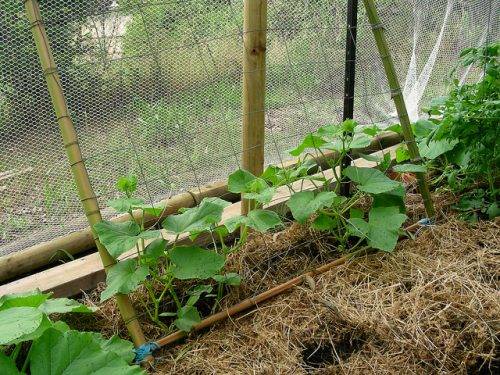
[(154, 87)]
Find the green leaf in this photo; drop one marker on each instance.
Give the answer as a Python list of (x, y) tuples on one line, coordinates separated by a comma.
[(197, 219), (348, 125), (360, 141), (423, 128), (262, 220), (124, 204), (121, 237), (372, 130), (356, 213), (196, 292), (155, 250), (413, 168), (64, 305), (431, 150), (17, 323), (305, 203), (124, 277), (238, 181), (230, 278), (493, 211), (370, 157), (80, 353), (149, 209), (393, 198), (193, 262), (324, 222), (371, 180), (382, 228), (127, 184), (265, 196), (28, 299), (310, 141), (7, 365), (187, 318), (402, 154), (234, 223), (396, 128), (274, 175)]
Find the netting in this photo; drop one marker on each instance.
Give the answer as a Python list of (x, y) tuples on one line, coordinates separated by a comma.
[(154, 88)]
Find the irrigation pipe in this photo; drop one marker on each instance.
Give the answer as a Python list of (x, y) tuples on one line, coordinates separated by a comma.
[(264, 296)]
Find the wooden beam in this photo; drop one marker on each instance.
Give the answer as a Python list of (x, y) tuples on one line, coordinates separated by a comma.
[(83, 274)]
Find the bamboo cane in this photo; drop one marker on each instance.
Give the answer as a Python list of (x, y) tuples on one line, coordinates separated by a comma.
[(268, 294), (399, 102), (254, 88), (80, 175)]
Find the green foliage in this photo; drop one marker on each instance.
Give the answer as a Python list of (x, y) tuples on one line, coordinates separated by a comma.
[(413, 168), (382, 228), (121, 237), (53, 347), (124, 277), (477, 204), (21, 77), (466, 120), (162, 263), (197, 219), (193, 262), (74, 352), (371, 180), (305, 203), (25, 316)]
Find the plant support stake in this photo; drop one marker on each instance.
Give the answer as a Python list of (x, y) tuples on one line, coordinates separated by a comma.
[(349, 77), (399, 102), (74, 154), (254, 89)]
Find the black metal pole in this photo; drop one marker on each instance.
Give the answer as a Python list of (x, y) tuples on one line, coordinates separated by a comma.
[(350, 73)]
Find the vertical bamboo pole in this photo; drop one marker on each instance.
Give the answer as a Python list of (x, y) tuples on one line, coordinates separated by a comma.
[(349, 77), (397, 96), (254, 87), (80, 175)]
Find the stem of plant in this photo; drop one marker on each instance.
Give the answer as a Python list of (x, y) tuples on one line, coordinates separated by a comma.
[(26, 360), (15, 352)]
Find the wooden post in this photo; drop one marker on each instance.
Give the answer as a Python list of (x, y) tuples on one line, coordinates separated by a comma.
[(80, 175), (254, 87), (399, 102)]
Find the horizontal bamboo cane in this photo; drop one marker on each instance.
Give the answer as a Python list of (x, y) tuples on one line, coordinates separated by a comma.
[(264, 296), (38, 256)]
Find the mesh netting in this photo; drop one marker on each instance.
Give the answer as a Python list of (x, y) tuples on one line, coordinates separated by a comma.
[(154, 87)]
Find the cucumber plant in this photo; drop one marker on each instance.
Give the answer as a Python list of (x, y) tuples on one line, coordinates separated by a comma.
[(27, 329), (160, 264), (327, 210)]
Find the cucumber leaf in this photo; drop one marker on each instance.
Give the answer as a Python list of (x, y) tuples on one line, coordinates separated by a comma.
[(305, 203), (193, 262), (81, 353), (382, 228), (124, 277), (371, 180), (197, 219), (121, 237)]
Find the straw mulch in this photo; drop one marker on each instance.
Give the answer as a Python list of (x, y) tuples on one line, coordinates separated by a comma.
[(431, 307)]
